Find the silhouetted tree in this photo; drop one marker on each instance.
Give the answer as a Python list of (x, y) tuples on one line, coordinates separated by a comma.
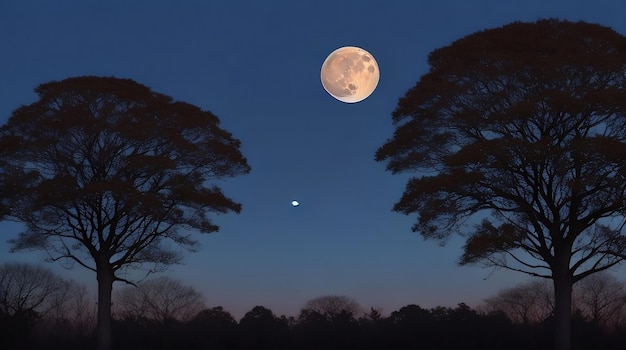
[(27, 293), (69, 326), (526, 303), (312, 329), (159, 299), (329, 321), (601, 299), (456, 327), (332, 306), (78, 313), (408, 325), (214, 328), (371, 330), (108, 172), (27, 287), (373, 316), (261, 329), (523, 126)]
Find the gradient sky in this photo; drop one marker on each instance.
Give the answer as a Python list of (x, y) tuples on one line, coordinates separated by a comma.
[(256, 65)]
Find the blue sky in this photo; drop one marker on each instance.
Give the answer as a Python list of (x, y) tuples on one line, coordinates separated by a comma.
[(256, 65)]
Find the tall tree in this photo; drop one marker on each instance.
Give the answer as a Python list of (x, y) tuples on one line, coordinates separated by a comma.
[(109, 172), (524, 127)]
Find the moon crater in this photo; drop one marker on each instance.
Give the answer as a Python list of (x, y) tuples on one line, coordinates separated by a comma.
[(350, 74)]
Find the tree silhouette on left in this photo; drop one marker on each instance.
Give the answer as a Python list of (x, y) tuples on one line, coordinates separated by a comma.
[(27, 294), (104, 173)]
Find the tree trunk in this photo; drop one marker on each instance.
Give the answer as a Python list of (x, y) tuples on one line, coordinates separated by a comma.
[(105, 287), (562, 310)]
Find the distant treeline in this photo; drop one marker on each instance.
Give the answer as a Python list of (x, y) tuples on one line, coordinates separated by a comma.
[(410, 327), (41, 310)]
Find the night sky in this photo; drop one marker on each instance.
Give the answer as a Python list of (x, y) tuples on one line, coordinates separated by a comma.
[(256, 65)]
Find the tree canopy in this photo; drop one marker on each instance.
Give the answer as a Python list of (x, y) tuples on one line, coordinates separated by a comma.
[(116, 168), (111, 175), (518, 135)]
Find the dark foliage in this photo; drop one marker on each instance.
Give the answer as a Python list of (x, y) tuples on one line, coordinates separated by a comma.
[(17, 327), (213, 328), (410, 327), (259, 328), (524, 128), (107, 174)]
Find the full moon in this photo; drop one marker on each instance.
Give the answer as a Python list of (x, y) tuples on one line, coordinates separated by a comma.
[(295, 203), (350, 74)]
